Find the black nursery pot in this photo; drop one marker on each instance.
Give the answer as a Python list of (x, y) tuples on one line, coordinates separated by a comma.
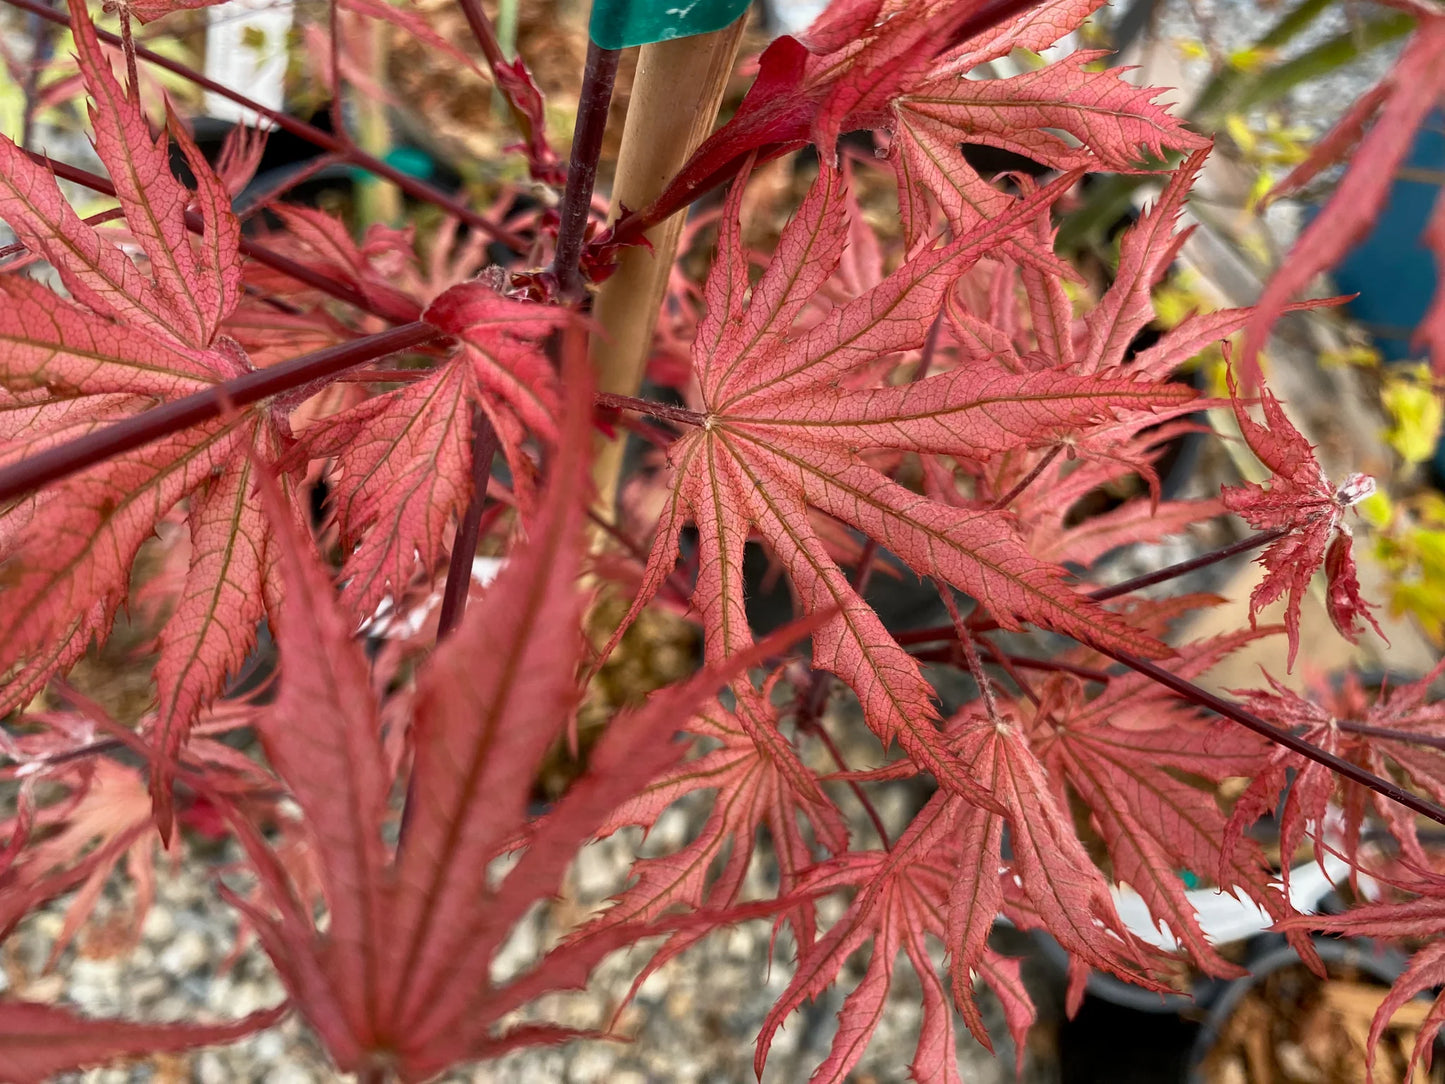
[(1126, 1035), (1361, 955)]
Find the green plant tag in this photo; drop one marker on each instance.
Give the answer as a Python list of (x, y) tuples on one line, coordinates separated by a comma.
[(617, 24)]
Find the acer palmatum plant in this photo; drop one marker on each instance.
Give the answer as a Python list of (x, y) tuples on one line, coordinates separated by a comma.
[(952, 414)]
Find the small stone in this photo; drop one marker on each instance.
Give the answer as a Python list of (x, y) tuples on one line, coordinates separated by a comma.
[(142, 991), (591, 1063), (187, 953), (519, 950), (289, 1074), (47, 988), (210, 1069), (48, 924), (95, 985), (248, 998), (679, 1004), (601, 868), (654, 988), (269, 1047), (627, 1076), (743, 943), (159, 925)]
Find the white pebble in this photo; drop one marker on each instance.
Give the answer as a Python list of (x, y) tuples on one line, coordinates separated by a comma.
[(185, 954), (159, 925), (591, 1063), (289, 1074)]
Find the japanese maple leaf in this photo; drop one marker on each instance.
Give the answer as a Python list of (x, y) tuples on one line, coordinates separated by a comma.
[(1136, 756), (947, 877), (1299, 498), (405, 457), (903, 901), (148, 335), (877, 64), (759, 782), (370, 268), (1041, 332), (75, 844), (1113, 124), (39, 1041), (400, 974), (783, 428), (1390, 737), (1416, 920)]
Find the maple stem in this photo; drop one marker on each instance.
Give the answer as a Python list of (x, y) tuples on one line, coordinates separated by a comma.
[(1244, 545), (674, 580), (64, 460), (1005, 664), (337, 144), (1293, 742), (128, 48), (930, 347), (17, 248), (385, 376), (612, 401), (496, 59), (1103, 594), (821, 733), (260, 253), (1391, 734), (970, 655), (597, 80), (1028, 479), (820, 685), (1018, 662), (464, 548)]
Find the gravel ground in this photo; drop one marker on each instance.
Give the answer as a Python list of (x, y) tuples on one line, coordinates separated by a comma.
[(694, 1020)]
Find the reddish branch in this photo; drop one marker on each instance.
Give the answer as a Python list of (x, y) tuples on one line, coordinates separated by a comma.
[(1103, 594), (1391, 734), (1170, 572), (1205, 699), (464, 548), (65, 459), (592, 111), (609, 401), (1029, 478)]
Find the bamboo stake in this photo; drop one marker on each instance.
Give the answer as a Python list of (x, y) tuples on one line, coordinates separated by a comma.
[(675, 98)]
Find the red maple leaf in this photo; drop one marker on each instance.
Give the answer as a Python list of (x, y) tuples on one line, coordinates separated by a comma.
[(784, 426), (39, 1041), (130, 337), (1396, 735), (759, 782), (399, 975), (877, 64), (1136, 756), (947, 878), (405, 457), (1422, 918), (1301, 500)]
